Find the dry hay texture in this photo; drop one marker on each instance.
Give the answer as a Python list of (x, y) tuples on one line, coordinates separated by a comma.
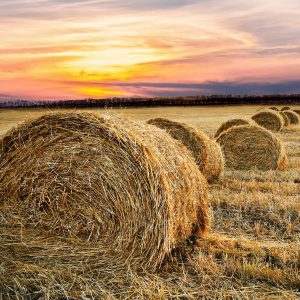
[(206, 152), (292, 116), (286, 119), (285, 108), (269, 119), (233, 122), (274, 108), (297, 111), (131, 189), (248, 146)]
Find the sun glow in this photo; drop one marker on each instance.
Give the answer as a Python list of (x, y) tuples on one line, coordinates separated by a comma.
[(98, 92)]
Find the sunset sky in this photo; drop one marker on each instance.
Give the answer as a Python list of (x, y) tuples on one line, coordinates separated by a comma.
[(71, 49)]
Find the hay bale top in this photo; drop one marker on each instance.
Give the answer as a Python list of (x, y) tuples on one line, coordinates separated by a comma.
[(232, 122), (274, 108), (206, 152), (292, 116), (129, 188), (269, 119), (285, 108), (249, 146)]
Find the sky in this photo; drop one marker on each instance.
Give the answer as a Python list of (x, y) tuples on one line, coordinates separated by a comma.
[(71, 49)]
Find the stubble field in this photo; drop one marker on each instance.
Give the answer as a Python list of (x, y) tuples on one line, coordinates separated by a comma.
[(252, 250)]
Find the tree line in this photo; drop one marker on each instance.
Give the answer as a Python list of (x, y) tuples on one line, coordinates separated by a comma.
[(156, 101)]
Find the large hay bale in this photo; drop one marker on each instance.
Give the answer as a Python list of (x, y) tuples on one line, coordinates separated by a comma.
[(206, 152), (285, 108), (250, 146), (269, 119), (286, 119), (131, 189), (230, 123), (292, 116)]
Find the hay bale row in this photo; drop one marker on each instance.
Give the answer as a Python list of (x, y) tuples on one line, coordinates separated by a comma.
[(131, 189), (250, 146), (269, 119), (206, 152)]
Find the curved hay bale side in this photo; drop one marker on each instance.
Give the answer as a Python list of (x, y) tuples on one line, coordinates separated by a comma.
[(297, 111), (206, 152), (131, 189), (285, 108), (269, 119), (232, 122), (286, 119), (292, 116), (274, 108), (248, 146)]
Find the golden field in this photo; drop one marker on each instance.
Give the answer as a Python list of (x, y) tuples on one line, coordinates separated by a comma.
[(252, 250)]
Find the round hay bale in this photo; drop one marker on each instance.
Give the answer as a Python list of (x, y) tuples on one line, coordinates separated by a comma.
[(285, 119), (297, 111), (274, 108), (292, 116), (269, 119), (230, 123), (250, 146), (206, 152), (131, 189), (285, 108)]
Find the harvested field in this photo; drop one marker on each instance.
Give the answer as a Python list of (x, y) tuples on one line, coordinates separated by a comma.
[(251, 251)]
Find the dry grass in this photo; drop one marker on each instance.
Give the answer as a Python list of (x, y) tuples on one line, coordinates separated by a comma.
[(206, 152), (269, 119), (251, 252)]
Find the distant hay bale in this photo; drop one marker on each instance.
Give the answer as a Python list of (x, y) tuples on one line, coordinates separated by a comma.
[(269, 119), (131, 189), (232, 122), (292, 116), (206, 152), (285, 119), (285, 108), (274, 108), (250, 146)]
